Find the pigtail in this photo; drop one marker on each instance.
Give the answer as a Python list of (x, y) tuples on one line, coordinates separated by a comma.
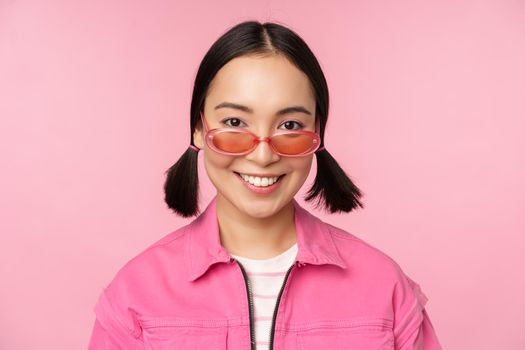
[(181, 188), (332, 186)]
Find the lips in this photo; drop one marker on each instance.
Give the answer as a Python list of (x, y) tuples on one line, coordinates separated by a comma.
[(258, 179), (260, 190), (260, 175)]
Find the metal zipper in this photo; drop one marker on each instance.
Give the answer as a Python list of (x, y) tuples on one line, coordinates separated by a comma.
[(272, 332), (250, 305)]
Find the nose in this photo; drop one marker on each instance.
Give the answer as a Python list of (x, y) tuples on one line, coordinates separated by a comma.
[(263, 154)]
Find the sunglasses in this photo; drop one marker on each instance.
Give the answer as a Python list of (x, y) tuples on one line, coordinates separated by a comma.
[(235, 141)]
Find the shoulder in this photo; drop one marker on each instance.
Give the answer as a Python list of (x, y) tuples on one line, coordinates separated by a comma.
[(360, 254), (151, 265), (362, 259), (371, 264), (130, 288)]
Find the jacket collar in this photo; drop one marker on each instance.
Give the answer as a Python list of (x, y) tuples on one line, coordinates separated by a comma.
[(203, 248)]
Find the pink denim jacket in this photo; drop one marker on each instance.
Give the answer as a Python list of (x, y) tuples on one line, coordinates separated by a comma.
[(186, 292)]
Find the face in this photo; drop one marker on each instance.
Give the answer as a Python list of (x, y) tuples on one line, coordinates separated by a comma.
[(265, 85)]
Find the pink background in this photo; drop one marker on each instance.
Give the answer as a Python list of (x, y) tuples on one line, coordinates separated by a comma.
[(427, 116)]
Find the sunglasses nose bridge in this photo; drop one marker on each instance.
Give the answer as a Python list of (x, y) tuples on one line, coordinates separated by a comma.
[(267, 139), (258, 140), (262, 139)]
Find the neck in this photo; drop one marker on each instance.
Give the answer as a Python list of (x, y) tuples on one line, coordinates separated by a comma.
[(253, 237)]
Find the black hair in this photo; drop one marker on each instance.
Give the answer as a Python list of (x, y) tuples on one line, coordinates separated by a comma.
[(332, 187)]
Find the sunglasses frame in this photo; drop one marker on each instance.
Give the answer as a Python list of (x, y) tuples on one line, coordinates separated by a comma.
[(209, 134)]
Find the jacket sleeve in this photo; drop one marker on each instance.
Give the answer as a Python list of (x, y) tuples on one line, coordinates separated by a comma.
[(114, 329), (413, 329)]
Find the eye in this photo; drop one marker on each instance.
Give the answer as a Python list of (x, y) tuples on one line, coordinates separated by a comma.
[(235, 122), (289, 124)]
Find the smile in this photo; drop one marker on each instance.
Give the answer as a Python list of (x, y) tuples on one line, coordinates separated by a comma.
[(261, 185), (259, 181)]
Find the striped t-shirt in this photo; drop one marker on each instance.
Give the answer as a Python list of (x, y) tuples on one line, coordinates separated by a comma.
[(266, 278)]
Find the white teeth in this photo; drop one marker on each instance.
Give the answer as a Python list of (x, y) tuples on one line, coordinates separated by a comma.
[(259, 181)]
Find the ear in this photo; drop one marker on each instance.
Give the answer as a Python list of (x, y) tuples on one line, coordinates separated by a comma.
[(198, 135)]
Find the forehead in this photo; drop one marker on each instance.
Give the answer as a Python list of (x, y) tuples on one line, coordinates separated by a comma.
[(263, 83)]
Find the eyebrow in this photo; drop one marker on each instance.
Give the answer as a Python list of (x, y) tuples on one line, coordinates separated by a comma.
[(292, 109)]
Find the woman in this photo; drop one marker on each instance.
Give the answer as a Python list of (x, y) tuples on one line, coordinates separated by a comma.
[(255, 270)]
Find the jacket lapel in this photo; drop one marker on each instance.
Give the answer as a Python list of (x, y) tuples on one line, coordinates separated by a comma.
[(203, 248)]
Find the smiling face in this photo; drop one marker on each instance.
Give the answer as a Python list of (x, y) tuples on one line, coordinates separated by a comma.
[(262, 86)]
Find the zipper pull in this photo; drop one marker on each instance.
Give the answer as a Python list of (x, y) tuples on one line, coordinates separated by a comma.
[(299, 263)]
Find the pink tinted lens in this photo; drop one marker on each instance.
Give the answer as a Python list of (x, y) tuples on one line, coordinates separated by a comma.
[(293, 144), (233, 142)]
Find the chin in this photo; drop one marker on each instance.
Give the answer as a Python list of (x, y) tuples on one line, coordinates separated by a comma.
[(257, 211)]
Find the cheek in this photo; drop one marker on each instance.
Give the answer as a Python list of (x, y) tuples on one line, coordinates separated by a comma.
[(216, 163), (303, 164), (302, 167)]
